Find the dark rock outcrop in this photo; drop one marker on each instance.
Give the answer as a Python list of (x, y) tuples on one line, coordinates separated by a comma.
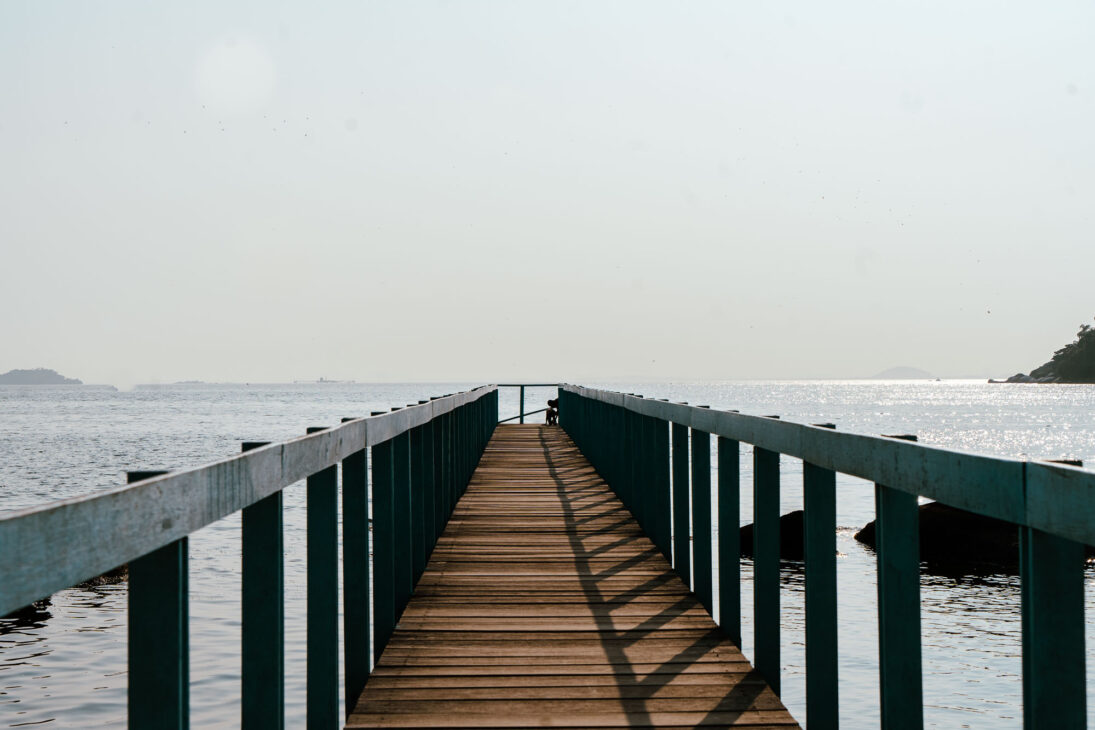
[(109, 578), (954, 541), (791, 537), (1073, 363)]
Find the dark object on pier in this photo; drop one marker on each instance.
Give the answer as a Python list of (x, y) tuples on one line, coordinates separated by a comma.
[(790, 537), (553, 412)]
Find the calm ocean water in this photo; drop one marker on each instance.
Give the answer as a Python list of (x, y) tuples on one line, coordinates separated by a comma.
[(66, 668)]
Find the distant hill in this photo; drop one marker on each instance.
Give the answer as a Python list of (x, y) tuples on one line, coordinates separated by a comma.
[(37, 376), (1073, 363), (903, 373)]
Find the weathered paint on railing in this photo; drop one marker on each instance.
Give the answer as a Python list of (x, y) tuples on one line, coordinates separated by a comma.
[(1051, 505), (422, 459)]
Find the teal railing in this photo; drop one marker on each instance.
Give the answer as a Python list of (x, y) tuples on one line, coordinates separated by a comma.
[(640, 446), (422, 459)]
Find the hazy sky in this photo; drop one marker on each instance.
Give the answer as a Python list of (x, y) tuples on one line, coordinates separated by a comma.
[(505, 190)]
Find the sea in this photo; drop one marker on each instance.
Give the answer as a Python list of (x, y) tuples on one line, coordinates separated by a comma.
[(65, 665)]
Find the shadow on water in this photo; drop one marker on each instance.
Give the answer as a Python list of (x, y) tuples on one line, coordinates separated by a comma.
[(634, 690), (33, 616)]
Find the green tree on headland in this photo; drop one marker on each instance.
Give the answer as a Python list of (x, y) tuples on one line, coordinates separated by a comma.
[(1073, 363)]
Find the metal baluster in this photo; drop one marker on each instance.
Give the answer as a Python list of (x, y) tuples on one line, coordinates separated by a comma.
[(263, 612), (819, 528), (357, 651), (322, 557), (159, 636), (766, 610)]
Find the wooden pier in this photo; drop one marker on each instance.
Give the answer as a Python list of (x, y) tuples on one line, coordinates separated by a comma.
[(520, 575), (545, 605)]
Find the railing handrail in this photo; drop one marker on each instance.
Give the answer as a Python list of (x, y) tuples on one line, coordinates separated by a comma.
[(61, 543), (1055, 498)]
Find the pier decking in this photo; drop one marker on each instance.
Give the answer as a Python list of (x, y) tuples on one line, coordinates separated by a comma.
[(545, 605)]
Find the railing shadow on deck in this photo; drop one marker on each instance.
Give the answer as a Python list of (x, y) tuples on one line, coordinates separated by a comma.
[(634, 691), (642, 447)]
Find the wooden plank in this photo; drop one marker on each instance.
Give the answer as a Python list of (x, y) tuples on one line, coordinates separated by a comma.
[(650, 671), (390, 681), (545, 605), (544, 715)]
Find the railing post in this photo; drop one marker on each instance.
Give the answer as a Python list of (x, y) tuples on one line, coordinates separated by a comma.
[(766, 564), (383, 546), (403, 533), (729, 461), (682, 542), (819, 520), (1054, 692), (450, 462), (633, 470), (648, 476), (322, 559), (418, 504), (662, 487), (522, 406), (436, 459), (701, 517), (1054, 667), (159, 638), (897, 543), (447, 464), (263, 612), (430, 513), (357, 652)]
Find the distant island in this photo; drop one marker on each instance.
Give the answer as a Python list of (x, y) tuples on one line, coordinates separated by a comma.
[(37, 376), (1073, 363)]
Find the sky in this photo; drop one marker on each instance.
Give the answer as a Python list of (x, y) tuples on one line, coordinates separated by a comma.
[(557, 191)]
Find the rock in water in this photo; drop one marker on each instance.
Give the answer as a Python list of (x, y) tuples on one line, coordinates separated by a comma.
[(956, 542), (791, 537)]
